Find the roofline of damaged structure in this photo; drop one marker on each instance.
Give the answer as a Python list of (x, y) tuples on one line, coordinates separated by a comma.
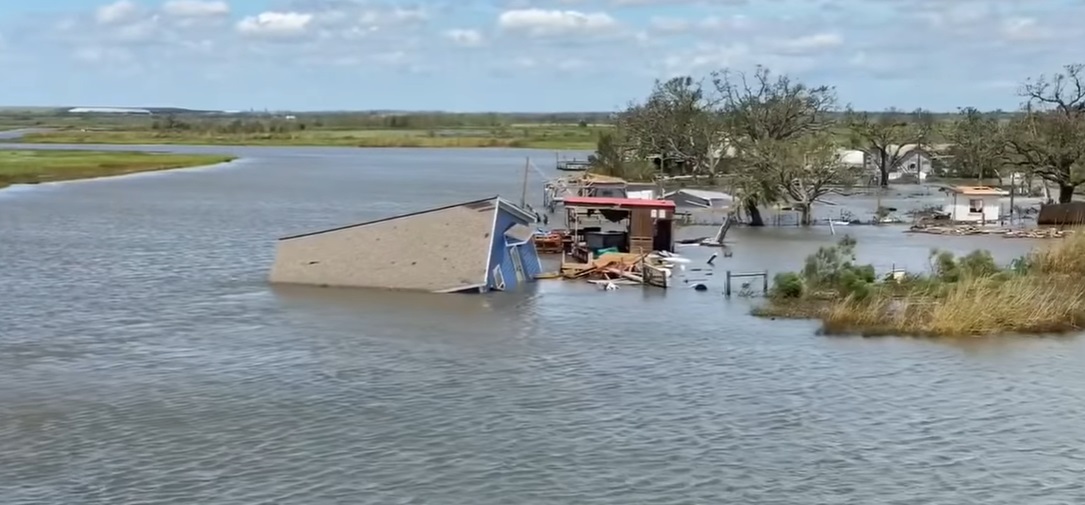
[(500, 202)]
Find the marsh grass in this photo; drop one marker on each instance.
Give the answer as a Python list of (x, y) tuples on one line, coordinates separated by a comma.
[(1041, 293), (549, 137), (37, 166)]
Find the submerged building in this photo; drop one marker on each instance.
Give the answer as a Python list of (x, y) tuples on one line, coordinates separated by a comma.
[(474, 246)]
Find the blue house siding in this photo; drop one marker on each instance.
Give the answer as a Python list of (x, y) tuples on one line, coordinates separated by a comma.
[(501, 251), (508, 270), (529, 257)]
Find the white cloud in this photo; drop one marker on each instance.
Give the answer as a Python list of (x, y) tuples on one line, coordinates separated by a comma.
[(958, 42), (669, 25), (120, 11), (706, 58), (1023, 29), (640, 3), (196, 8), (465, 38), (275, 24), (542, 23), (102, 55), (809, 44)]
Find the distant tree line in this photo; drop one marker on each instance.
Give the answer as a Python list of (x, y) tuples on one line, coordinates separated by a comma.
[(778, 140)]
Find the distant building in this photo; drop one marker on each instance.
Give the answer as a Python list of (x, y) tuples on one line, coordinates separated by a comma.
[(467, 247), (852, 157), (700, 199), (913, 160), (109, 110)]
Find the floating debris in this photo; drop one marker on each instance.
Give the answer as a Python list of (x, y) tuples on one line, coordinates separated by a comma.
[(623, 268), (981, 230)]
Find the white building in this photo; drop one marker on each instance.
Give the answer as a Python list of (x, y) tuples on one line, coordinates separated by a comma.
[(109, 110), (912, 160), (916, 161), (974, 204)]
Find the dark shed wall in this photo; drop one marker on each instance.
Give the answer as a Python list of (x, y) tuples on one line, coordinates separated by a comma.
[(1062, 214)]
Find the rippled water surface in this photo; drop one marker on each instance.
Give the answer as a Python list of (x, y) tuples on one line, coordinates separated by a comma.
[(143, 359)]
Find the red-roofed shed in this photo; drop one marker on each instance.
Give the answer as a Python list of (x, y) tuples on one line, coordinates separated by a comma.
[(651, 225), (617, 203)]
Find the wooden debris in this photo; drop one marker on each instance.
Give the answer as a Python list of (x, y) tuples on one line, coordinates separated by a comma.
[(979, 230), (626, 267), (1038, 233), (551, 243)]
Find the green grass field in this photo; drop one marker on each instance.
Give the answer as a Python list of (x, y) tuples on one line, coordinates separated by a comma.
[(557, 137), (34, 166)]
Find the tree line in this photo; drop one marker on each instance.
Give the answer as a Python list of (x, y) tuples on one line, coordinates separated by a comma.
[(778, 139)]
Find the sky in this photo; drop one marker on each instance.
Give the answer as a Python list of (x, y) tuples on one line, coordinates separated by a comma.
[(520, 55)]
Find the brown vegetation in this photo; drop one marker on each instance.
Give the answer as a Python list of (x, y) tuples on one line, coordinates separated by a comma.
[(1043, 292)]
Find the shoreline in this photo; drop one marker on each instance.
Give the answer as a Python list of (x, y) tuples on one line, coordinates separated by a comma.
[(31, 167)]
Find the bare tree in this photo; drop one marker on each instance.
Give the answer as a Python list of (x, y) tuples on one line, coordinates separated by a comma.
[(766, 109), (885, 136), (803, 170), (1049, 139), (978, 145)]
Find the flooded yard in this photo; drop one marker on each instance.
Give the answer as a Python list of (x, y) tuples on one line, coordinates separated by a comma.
[(145, 359)]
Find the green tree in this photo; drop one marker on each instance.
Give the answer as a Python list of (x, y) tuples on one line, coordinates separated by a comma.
[(609, 159), (801, 170), (978, 145), (677, 121), (762, 112), (885, 136)]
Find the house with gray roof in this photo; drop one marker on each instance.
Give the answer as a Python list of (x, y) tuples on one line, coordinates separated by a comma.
[(475, 246)]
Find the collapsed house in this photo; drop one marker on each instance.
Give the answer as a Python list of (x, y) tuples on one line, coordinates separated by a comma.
[(474, 246)]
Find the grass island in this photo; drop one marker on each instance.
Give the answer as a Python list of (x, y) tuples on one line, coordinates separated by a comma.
[(37, 166), (1040, 293)]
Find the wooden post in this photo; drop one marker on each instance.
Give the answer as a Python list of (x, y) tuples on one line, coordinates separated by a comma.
[(727, 285), (1013, 190), (523, 193), (765, 283)]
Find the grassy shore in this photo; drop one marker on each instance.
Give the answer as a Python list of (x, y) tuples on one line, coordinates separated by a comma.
[(555, 137), (37, 166), (1041, 293)]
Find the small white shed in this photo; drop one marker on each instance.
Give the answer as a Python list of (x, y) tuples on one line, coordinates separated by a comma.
[(974, 204)]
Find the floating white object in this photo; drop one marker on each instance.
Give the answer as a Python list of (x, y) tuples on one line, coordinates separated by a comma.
[(674, 259)]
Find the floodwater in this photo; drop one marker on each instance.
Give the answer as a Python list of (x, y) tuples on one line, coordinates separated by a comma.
[(144, 359)]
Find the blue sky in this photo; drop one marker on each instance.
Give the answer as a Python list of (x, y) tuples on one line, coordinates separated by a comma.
[(520, 55)]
